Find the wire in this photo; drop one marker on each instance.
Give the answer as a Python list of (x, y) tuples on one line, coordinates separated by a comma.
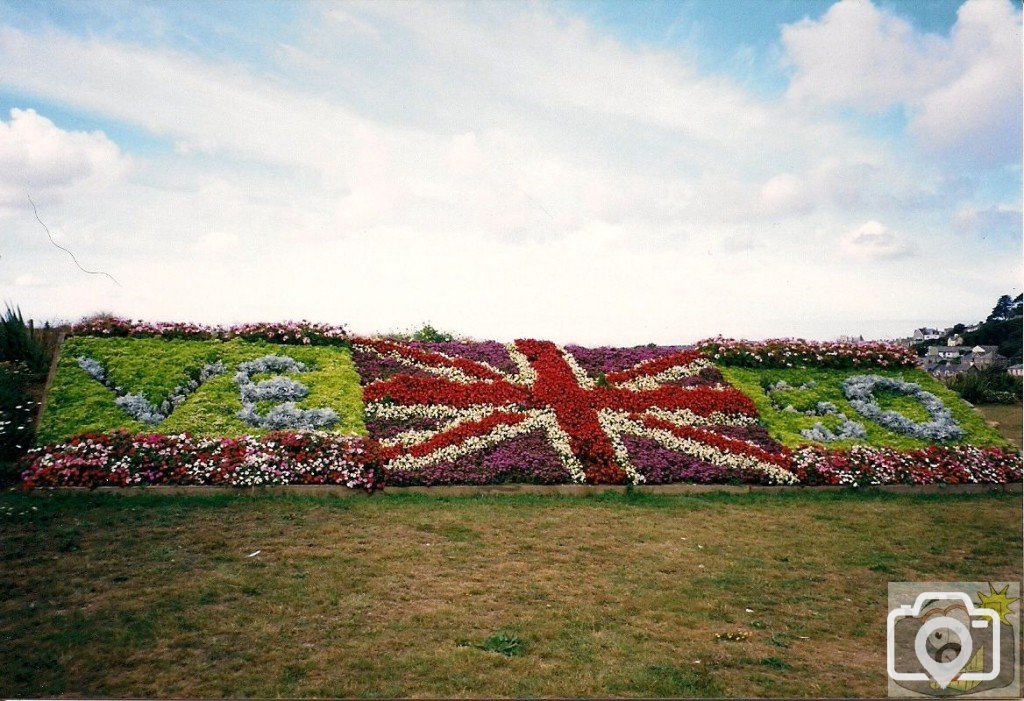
[(49, 236)]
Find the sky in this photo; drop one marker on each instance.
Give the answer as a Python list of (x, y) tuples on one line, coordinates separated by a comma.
[(592, 172)]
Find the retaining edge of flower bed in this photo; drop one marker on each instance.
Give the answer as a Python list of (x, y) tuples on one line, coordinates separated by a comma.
[(540, 489)]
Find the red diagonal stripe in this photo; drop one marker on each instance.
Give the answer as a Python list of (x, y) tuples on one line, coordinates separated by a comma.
[(428, 358), (465, 431), (405, 389), (653, 367), (715, 440), (702, 401)]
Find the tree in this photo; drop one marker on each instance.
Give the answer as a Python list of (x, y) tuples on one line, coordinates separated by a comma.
[(1003, 309)]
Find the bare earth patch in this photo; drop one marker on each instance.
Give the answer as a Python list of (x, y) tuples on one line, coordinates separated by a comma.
[(403, 595)]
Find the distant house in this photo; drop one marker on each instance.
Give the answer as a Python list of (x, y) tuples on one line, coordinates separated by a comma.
[(926, 334), (984, 357), (1016, 370), (955, 340), (945, 352), (943, 372), (946, 361)]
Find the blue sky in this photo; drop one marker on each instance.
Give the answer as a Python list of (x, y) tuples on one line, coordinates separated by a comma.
[(600, 172)]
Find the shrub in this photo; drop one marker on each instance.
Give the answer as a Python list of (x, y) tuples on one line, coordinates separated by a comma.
[(991, 386), (428, 334), (18, 343), (17, 409)]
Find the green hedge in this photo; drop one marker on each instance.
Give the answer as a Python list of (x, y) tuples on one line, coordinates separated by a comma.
[(154, 367)]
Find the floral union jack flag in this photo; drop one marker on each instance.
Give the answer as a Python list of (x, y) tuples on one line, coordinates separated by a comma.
[(458, 406)]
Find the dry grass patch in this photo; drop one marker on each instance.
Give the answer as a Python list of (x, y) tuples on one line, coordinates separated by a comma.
[(1010, 418), (107, 595)]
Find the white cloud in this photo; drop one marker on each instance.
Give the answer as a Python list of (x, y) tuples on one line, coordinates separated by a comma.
[(979, 109), (206, 108), (464, 157), (37, 157), (855, 55), (994, 221), (873, 241), (502, 120), (350, 24), (962, 92), (216, 242), (739, 243), (27, 280), (785, 194), (500, 169)]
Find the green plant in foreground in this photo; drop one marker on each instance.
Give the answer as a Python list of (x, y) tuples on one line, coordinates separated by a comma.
[(776, 663), (17, 343), (502, 643), (17, 412)]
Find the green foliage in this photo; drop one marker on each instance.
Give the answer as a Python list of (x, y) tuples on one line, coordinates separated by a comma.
[(428, 334), (786, 427), (154, 367), (673, 681), (1005, 333), (1002, 328), (776, 663), (1003, 310), (17, 409), (502, 643), (17, 342), (990, 386)]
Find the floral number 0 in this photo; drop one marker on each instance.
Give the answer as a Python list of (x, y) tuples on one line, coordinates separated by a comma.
[(859, 391)]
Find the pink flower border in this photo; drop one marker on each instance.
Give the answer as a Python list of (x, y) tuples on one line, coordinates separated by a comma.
[(795, 352), (288, 332)]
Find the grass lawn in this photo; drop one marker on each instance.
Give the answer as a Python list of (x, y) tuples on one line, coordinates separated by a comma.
[(401, 595), (1010, 418)]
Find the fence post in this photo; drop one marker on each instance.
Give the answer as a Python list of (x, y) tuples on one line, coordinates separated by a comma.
[(49, 381)]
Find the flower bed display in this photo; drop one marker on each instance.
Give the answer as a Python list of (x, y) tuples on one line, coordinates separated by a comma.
[(880, 407), (862, 466), (184, 404), (121, 459), (206, 388), (450, 408)]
